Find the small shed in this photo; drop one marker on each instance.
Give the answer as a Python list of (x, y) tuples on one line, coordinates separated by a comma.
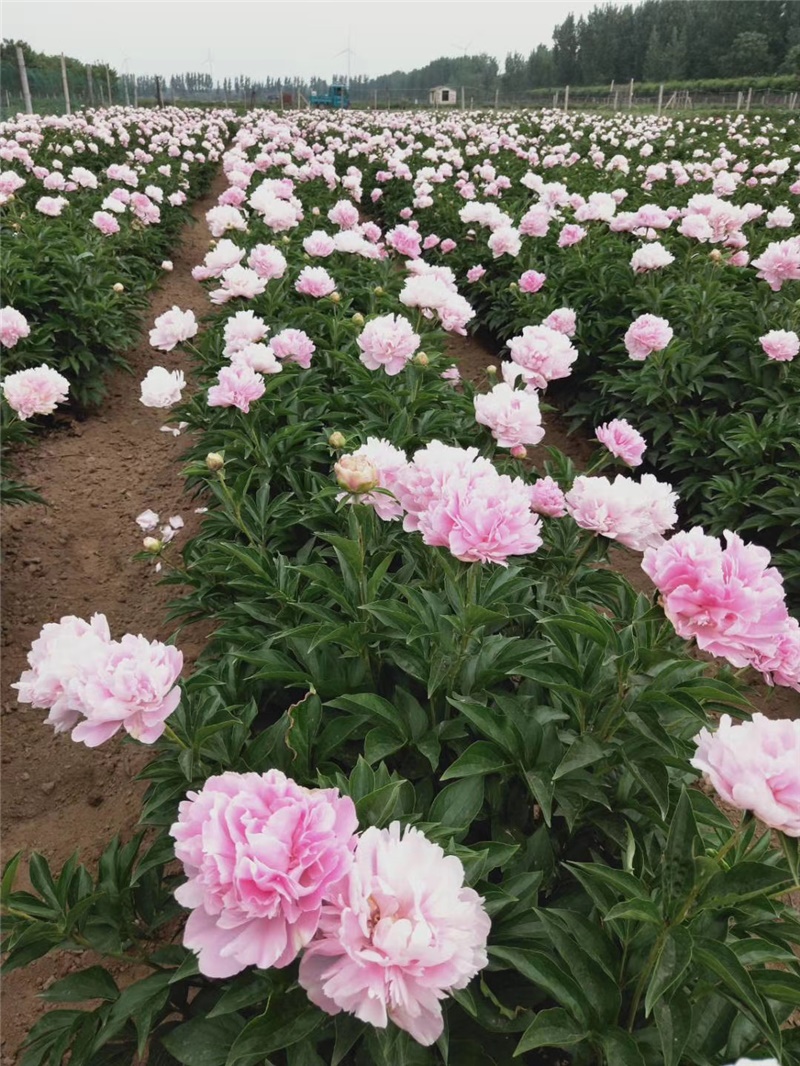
[(442, 96)]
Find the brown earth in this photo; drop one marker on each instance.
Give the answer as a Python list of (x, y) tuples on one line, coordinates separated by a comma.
[(75, 556)]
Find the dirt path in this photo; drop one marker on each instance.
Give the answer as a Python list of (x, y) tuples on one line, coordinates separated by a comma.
[(75, 557)]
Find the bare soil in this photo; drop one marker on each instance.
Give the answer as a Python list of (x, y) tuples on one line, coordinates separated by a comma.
[(75, 556)]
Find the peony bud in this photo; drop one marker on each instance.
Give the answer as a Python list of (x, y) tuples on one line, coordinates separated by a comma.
[(119, 287), (314, 211), (491, 370), (358, 319), (337, 440), (152, 545), (421, 359), (715, 255), (215, 461), (378, 290), (356, 473), (513, 287), (335, 297), (519, 451)]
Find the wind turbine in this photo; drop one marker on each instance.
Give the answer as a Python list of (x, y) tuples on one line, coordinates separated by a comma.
[(349, 53), (463, 48), (209, 62)]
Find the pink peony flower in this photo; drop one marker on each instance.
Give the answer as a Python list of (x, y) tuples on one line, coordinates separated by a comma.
[(570, 234), (161, 387), (238, 282), (781, 344), (315, 281), (652, 256), (400, 932), (319, 244), (344, 214), (547, 498), (622, 440), (780, 262), (513, 417), (259, 357), (451, 374), (447, 246), (405, 240), (237, 386), (635, 514), (375, 465), (35, 391), (388, 342), (423, 480), (51, 205), (562, 320), (13, 326), (242, 329), (226, 254), (531, 281), (505, 240), (105, 222), (172, 328), (647, 334), (476, 273), (294, 346), (261, 855), (754, 766), (224, 217), (535, 222), (544, 355), (267, 261)]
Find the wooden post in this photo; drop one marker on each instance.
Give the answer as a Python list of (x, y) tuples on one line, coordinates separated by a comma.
[(8, 100), (127, 93), (739, 99), (65, 83), (630, 96), (108, 83), (159, 97), (90, 84), (660, 98), (566, 98), (616, 100), (471, 102), (375, 99), (611, 91), (555, 98), (496, 98), (100, 94), (749, 98), (135, 91), (462, 97), (23, 80)]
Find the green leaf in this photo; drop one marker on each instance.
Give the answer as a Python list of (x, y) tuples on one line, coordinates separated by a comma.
[(551, 1028), (547, 975), (204, 1041), (621, 1049), (673, 1018), (9, 875), (671, 964), (480, 758), (677, 862), (92, 983), (458, 804), (721, 960), (744, 881), (582, 752), (287, 1020)]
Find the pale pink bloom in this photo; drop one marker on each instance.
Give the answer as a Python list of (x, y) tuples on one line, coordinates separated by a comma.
[(622, 440), (476, 273), (448, 245), (430, 242), (398, 934), (547, 498), (35, 391), (144, 209), (531, 281), (60, 659), (570, 234), (562, 320), (315, 281), (294, 346), (513, 417), (238, 282), (226, 254), (224, 217), (237, 386), (242, 329), (234, 197), (162, 387), (147, 521), (388, 342), (647, 334), (535, 222), (696, 227), (652, 256), (10, 182), (261, 855), (167, 266), (544, 355), (505, 241), (422, 481), (406, 213), (780, 262), (404, 240), (739, 259), (259, 357), (375, 195), (276, 213), (780, 218), (344, 214), (635, 514), (451, 374), (105, 222), (755, 766), (51, 205), (13, 326), (781, 344), (132, 685), (375, 465), (267, 261), (319, 244), (172, 328)]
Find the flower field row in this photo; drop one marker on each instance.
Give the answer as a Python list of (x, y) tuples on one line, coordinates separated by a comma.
[(430, 796)]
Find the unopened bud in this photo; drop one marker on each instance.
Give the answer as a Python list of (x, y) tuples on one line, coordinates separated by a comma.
[(491, 370), (513, 287), (715, 255), (356, 473), (335, 297), (421, 359), (378, 290), (519, 451), (286, 240), (337, 440), (119, 287), (212, 244), (152, 545), (167, 265), (358, 319), (314, 211), (215, 461)]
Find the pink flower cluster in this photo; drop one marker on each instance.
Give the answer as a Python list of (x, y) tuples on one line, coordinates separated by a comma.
[(622, 440), (730, 600), (543, 354), (637, 514), (237, 385), (35, 391), (385, 924), (755, 766), (780, 262), (513, 417), (781, 345), (172, 328), (94, 686), (13, 326), (647, 334), (388, 342)]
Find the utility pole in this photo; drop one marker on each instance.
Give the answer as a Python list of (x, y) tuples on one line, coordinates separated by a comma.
[(566, 97), (23, 80), (90, 83), (108, 83), (65, 83), (159, 97), (660, 98)]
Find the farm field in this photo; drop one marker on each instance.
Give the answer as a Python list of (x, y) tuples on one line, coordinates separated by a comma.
[(434, 733)]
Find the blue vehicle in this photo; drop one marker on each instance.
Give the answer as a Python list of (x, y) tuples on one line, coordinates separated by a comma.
[(336, 97)]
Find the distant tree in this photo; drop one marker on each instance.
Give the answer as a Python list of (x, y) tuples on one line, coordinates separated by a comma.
[(749, 54)]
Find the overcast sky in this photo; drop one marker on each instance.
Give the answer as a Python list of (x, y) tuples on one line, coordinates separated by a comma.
[(261, 38)]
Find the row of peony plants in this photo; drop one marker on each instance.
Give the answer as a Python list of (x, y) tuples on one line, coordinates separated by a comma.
[(431, 795)]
